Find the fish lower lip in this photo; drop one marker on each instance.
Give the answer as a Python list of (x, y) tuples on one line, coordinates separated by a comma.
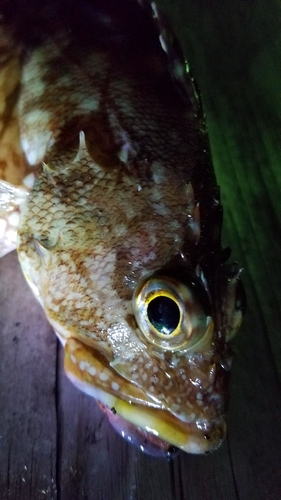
[(140, 438)]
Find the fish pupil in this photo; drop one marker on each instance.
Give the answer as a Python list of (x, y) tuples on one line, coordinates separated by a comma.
[(164, 314)]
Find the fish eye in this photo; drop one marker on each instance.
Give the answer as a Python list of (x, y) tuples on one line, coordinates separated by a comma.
[(164, 314), (171, 314)]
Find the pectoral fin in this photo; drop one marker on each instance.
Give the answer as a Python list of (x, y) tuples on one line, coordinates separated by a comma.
[(11, 198)]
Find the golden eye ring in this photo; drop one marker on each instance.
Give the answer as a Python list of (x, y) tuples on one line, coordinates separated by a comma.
[(169, 313)]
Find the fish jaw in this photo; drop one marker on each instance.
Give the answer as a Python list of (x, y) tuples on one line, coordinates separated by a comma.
[(129, 402)]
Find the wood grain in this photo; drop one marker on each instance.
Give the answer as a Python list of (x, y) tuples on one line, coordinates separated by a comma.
[(54, 441), (28, 424)]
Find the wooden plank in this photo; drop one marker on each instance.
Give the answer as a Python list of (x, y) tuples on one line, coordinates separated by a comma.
[(28, 391), (227, 43), (256, 415)]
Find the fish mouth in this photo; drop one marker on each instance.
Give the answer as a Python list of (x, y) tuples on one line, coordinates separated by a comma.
[(131, 412)]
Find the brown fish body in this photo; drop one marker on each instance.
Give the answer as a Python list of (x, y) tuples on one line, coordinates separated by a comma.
[(120, 235)]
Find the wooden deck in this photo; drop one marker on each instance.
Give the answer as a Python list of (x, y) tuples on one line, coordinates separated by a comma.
[(54, 441)]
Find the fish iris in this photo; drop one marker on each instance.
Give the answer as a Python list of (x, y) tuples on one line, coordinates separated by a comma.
[(164, 314)]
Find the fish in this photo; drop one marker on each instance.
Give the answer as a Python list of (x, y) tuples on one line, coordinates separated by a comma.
[(120, 224)]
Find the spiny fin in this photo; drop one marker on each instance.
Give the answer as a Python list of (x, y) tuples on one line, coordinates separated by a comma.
[(82, 150), (11, 197), (44, 247), (8, 232), (47, 168), (41, 250)]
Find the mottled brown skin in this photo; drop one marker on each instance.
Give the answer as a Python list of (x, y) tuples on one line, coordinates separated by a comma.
[(134, 195), (13, 165)]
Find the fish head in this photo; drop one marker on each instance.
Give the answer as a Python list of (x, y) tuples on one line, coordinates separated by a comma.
[(144, 319)]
